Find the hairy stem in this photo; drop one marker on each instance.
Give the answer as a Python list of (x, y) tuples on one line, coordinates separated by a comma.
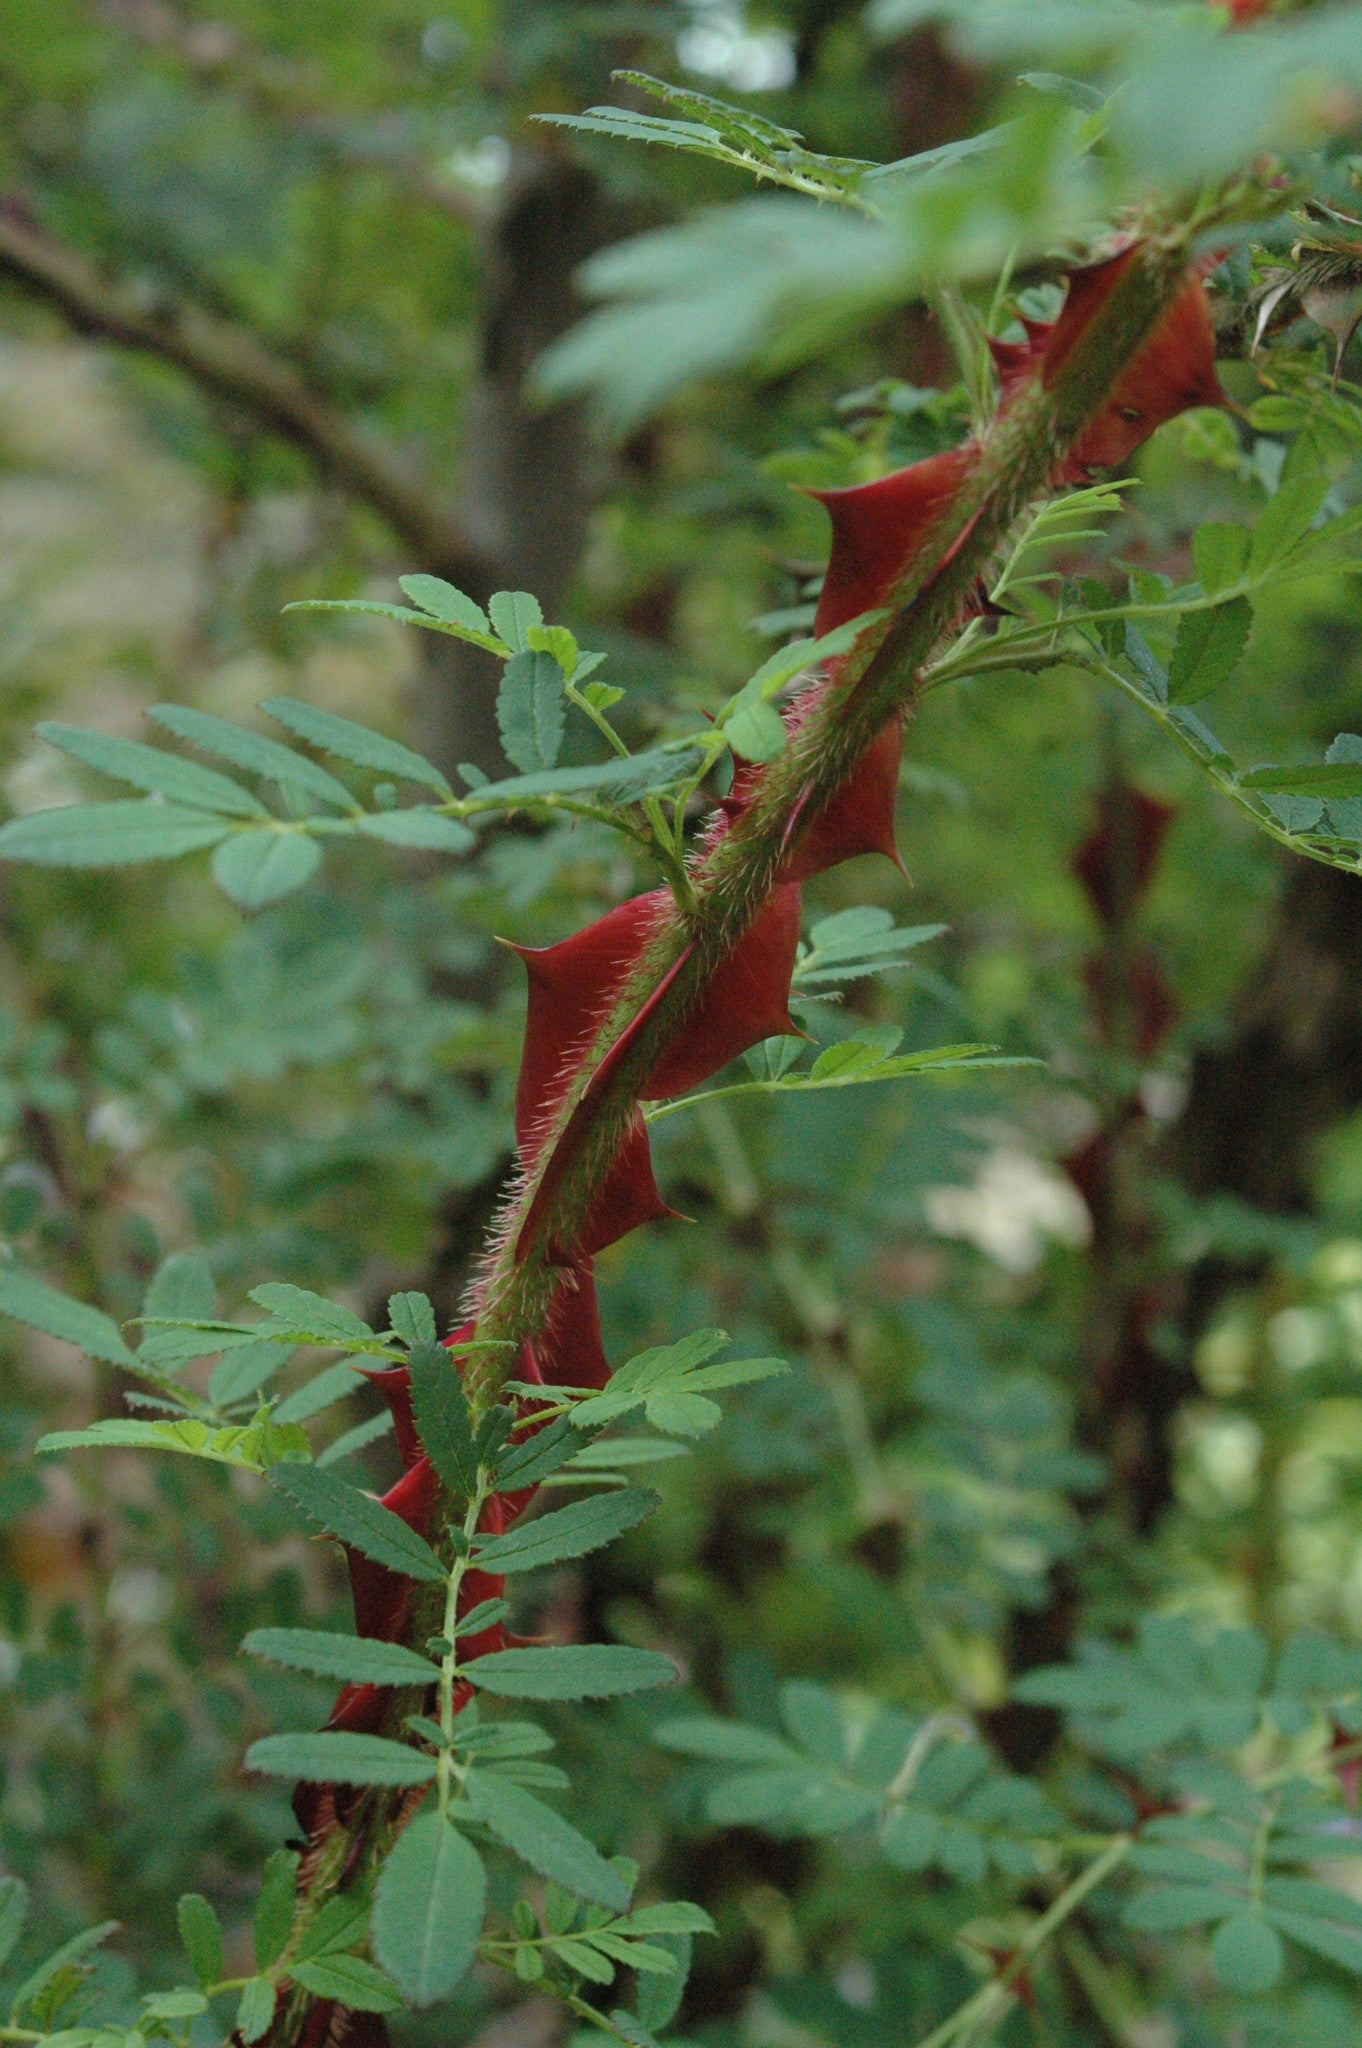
[(1016, 461)]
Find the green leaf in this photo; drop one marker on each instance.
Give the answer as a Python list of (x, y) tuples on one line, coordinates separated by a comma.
[(13, 1911), (359, 1520), (356, 1439), (1285, 519), (309, 1318), (357, 743), (321, 1391), (349, 1980), (254, 751), (795, 1800), (514, 612), (182, 1287), (531, 709), (756, 732), (594, 1671), (621, 776), (255, 2008), (64, 1958), (530, 1463), (117, 834), (1247, 1954), (327, 1757), (658, 1998), (618, 1451), (170, 775), (1220, 552), (723, 1742), (411, 1317), (440, 1408), (1323, 779), (201, 1935), (544, 1840), (428, 1909), (655, 1380), (260, 865), (402, 617), (443, 601), (243, 1371), (238, 1444), (358, 1660), (749, 721), (1207, 647), (274, 1906), (569, 1532), (338, 1924), (483, 1616), (418, 826), (1165, 1908), (42, 1308)]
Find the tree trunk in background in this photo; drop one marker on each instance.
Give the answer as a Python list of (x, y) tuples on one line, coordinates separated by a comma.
[(530, 475), (1292, 1064)]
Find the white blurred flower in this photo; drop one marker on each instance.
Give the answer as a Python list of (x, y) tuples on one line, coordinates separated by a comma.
[(1015, 1204)]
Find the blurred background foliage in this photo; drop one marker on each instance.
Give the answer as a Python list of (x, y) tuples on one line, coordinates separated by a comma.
[(1076, 1344)]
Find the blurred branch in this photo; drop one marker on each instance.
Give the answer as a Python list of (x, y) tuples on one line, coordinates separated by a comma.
[(232, 362)]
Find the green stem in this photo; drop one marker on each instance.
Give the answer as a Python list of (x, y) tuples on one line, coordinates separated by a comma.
[(449, 1662), (990, 2002)]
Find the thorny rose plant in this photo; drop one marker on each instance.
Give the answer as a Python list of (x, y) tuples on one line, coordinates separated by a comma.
[(1222, 1802)]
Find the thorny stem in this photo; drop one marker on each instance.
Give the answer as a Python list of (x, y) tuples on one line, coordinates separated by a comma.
[(990, 2002), (727, 888), (878, 677)]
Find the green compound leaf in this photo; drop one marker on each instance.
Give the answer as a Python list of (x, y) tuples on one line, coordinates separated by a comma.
[(259, 866), (335, 1757), (360, 1520), (117, 834), (579, 1672), (544, 1840), (428, 1909), (358, 1660), (667, 1382), (569, 1532)]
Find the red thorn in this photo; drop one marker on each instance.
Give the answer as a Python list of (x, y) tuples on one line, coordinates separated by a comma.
[(1173, 369), (572, 988), (1128, 834), (877, 526), (393, 1382)]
